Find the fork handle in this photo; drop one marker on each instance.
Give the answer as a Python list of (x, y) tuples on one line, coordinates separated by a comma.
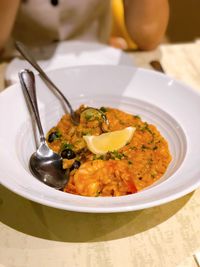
[(28, 56)]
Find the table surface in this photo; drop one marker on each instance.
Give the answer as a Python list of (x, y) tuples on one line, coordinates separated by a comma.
[(33, 235)]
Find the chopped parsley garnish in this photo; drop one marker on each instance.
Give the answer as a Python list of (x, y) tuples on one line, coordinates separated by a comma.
[(145, 127), (137, 117), (95, 157), (117, 154), (86, 133), (66, 146), (54, 136)]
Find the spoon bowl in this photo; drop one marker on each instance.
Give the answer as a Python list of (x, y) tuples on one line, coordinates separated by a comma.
[(44, 163), (47, 167)]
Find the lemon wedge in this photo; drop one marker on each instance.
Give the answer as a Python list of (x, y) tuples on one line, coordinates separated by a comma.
[(111, 141)]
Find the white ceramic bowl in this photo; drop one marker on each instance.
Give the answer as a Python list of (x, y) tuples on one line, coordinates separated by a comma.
[(170, 105)]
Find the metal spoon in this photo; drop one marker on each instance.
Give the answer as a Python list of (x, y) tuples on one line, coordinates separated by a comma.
[(44, 163), (29, 57)]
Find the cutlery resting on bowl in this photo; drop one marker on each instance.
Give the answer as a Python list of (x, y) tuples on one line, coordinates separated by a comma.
[(44, 163)]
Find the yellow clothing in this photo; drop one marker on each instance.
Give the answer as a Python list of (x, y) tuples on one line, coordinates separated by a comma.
[(118, 26)]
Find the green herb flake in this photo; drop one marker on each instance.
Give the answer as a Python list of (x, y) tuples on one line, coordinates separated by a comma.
[(137, 117), (66, 146), (86, 133), (117, 154), (58, 134), (96, 157)]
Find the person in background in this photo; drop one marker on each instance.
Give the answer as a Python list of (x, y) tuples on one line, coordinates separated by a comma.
[(121, 23)]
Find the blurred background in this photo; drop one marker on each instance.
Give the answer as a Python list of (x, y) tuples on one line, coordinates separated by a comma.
[(184, 22), (183, 27)]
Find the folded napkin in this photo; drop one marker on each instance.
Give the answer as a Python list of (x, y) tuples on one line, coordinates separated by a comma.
[(66, 54)]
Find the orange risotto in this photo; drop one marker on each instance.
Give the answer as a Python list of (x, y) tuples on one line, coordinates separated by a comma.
[(133, 167)]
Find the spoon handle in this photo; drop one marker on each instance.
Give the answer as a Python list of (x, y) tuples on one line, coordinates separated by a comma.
[(27, 81), (28, 56)]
